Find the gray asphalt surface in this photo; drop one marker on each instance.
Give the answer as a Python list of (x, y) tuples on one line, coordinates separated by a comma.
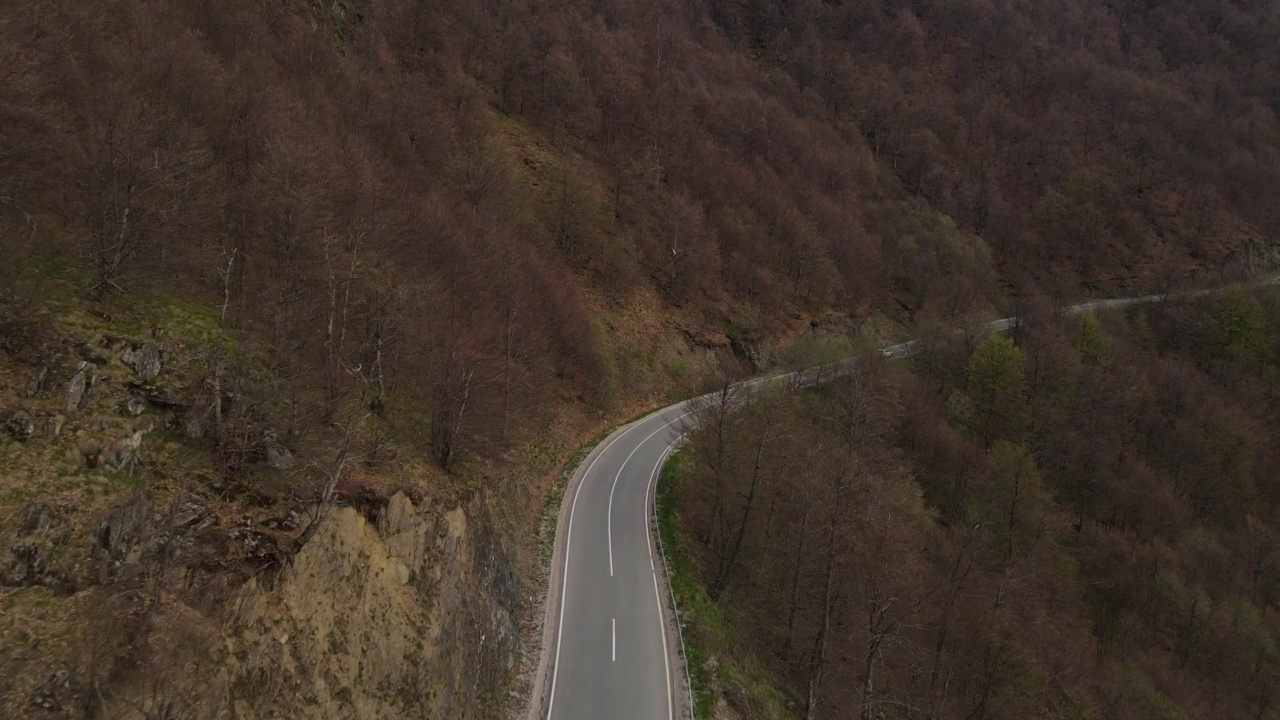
[(612, 657)]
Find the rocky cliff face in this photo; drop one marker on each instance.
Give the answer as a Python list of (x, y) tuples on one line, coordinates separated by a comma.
[(407, 616), (139, 579)]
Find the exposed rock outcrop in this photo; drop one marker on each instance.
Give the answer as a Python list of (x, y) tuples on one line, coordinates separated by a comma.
[(20, 426), (144, 360), (410, 617), (76, 388), (29, 559), (35, 386), (277, 455), (52, 426)]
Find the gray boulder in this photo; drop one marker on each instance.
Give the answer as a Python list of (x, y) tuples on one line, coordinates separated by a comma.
[(123, 538), (278, 456), (57, 692), (133, 406), (75, 390), (143, 360), (53, 426), (188, 513), (161, 398), (20, 426), (35, 386), (38, 519), (124, 455), (29, 561)]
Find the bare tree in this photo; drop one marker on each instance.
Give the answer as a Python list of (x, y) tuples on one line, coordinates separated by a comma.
[(838, 494), (331, 477), (340, 286), (136, 181), (382, 329), (466, 370), (959, 568), (760, 473), (220, 345)]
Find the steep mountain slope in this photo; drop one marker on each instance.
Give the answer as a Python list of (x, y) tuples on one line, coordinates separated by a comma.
[(465, 236), (156, 566)]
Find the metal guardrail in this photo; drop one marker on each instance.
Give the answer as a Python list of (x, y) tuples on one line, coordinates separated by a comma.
[(666, 571)]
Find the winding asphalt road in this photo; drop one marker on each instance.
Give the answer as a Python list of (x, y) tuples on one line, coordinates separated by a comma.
[(612, 656), (610, 649)]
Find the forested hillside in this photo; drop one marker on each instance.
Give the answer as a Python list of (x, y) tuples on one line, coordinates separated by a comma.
[(1084, 138), (432, 247), (743, 159), (1077, 522)]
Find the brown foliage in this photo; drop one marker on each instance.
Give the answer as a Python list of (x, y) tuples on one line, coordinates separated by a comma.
[(781, 159), (1118, 557)]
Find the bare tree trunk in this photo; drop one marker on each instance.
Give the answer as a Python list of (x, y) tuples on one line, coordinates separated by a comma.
[(509, 368), (450, 416), (960, 570), (714, 415), (379, 375), (462, 410), (882, 626), (877, 632), (336, 330), (728, 560), (332, 477), (795, 583), (377, 334), (818, 656), (224, 276), (868, 681)]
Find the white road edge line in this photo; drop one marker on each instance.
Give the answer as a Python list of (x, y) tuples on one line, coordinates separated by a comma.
[(623, 466), (568, 538), (657, 594), (675, 608), (666, 655)]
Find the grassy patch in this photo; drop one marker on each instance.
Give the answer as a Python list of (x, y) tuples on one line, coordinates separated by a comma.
[(708, 634), (551, 509), (547, 523), (186, 318), (815, 349), (700, 619), (879, 330), (611, 383), (331, 16)]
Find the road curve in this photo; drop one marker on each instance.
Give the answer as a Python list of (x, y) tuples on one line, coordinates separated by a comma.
[(611, 654), (609, 648)]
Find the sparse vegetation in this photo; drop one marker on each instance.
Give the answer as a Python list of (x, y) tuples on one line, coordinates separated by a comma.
[(716, 651)]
